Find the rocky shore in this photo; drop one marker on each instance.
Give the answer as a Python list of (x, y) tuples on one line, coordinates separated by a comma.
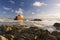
[(22, 33)]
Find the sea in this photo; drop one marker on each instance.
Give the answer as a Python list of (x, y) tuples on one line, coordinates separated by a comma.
[(44, 24)]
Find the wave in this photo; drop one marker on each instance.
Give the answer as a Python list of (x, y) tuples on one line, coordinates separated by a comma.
[(45, 25)]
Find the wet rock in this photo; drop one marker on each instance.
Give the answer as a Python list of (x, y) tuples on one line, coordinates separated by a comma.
[(57, 34), (57, 25), (37, 20), (3, 38), (32, 33)]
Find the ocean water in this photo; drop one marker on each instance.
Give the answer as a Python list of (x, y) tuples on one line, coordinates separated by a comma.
[(45, 24)]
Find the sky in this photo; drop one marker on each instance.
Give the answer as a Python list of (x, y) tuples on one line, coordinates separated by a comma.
[(30, 8)]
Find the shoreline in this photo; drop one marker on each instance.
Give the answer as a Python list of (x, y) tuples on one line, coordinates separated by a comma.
[(21, 33)]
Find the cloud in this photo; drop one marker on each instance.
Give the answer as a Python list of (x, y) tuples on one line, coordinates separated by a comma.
[(33, 12), (38, 4), (6, 8), (50, 15), (12, 10), (13, 2), (57, 5), (19, 11)]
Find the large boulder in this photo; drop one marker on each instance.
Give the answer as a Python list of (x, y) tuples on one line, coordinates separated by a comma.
[(19, 17), (37, 20), (57, 34), (57, 25), (32, 33), (3, 38)]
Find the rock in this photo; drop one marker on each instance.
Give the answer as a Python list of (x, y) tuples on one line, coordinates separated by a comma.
[(22, 33), (19, 17), (57, 25), (3, 38), (36, 20), (57, 34), (51, 37)]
